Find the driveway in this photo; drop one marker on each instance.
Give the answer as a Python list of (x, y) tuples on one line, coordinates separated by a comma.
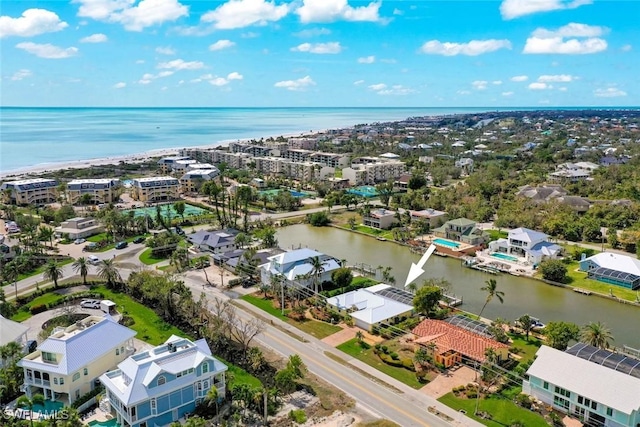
[(447, 381)]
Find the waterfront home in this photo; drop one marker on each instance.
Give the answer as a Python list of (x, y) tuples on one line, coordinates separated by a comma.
[(79, 228), (155, 189), (193, 180), (295, 265), (380, 218), (215, 242), (533, 246), (374, 305), (449, 344), (598, 386), (105, 190), (164, 384), (434, 217), (613, 268), (67, 364), (35, 191), (462, 230)]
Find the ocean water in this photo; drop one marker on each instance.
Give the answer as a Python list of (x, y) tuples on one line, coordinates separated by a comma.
[(32, 137)]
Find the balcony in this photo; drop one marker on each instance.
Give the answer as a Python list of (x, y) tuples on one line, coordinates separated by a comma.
[(37, 382)]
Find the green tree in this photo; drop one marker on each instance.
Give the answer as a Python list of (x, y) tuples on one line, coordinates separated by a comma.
[(25, 402), (385, 190), (268, 236), (109, 273), (342, 277), (53, 272), (553, 270), (241, 240), (526, 323), (427, 299), (180, 207), (202, 262), (46, 234), (352, 223), (596, 334), (81, 267), (491, 288), (317, 267), (417, 181), (559, 334)]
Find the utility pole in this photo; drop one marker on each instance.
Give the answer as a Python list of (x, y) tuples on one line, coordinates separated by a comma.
[(282, 301)]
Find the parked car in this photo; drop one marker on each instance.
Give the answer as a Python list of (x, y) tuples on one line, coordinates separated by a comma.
[(139, 239), (91, 246), (30, 346), (79, 241), (122, 245), (94, 260), (90, 303)]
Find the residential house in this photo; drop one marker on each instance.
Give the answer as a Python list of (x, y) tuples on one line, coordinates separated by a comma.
[(215, 242), (577, 203), (296, 265), (99, 190), (258, 183), (466, 164), (155, 189), (67, 364), (533, 246), (402, 182), (11, 331), (434, 217), (613, 268), (573, 172), (541, 193), (598, 386), (462, 230), (35, 191), (79, 228), (380, 218), (165, 384)]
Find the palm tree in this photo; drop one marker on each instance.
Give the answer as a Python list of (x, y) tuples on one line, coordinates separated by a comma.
[(596, 334), (108, 272), (317, 267), (81, 266), (212, 398), (359, 337), (526, 324), (46, 234), (24, 401), (52, 271), (491, 290), (202, 263)]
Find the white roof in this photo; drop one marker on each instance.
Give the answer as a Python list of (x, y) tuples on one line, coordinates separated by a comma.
[(389, 156), (30, 181), (372, 308), (156, 178), (617, 262), (596, 382), (94, 181), (526, 235), (10, 330)]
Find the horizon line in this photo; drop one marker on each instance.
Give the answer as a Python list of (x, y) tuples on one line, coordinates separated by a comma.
[(489, 108)]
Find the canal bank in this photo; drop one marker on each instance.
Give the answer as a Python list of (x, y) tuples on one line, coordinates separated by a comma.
[(522, 295)]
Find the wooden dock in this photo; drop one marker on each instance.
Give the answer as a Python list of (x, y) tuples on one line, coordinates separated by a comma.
[(484, 269), (582, 291)]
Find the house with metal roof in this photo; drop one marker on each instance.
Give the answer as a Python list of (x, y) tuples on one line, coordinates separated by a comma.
[(11, 331), (67, 364), (296, 266), (462, 230), (533, 246), (162, 385), (613, 268), (598, 386), (216, 242)]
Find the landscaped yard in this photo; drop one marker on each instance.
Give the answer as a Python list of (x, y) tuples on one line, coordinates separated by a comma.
[(147, 258), (387, 234), (503, 412), (403, 375), (527, 349), (40, 269), (497, 234)]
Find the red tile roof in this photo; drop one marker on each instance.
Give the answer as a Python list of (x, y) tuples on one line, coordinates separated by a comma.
[(449, 337)]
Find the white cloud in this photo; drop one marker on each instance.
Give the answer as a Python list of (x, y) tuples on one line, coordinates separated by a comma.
[(396, 90), (479, 84), (557, 45), (463, 92), (221, 44), (610, 92), (507, 93), (515, 8), (119, 85), (243, 13), (134, 17), (337, 10), (180, 64), (367, 60), (140, 61), (496, 82), (519, 78), (558, 78), (313, 32), (539, 86), (563, 89), (296, 85), (378, 86), (148, 77), (358, 82), (21, 74), (319, 48), (235, 76), (48, 51), (32, 23), (572, 29), (165, 50), (626, 48), (397, 12), (472, 48), (94, 38)]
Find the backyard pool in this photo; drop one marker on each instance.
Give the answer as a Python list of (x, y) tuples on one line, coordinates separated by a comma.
[(275, 192), (447, 243), (111, 423), (189, 210), (504, 257), (49, 407), (364, 191)]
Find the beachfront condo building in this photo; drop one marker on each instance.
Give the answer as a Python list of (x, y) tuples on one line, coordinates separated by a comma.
[(372, 173), (155, 189), (67, 364), (193, 180), (333, 160), (36, 191), (166, 163), (162, 385), (100, 191)]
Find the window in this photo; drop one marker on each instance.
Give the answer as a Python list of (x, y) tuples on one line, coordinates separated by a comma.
[(86, 371), (205, 368), (161, 380), (122, 350), (545, 385), (562, 392), (76, 376), (55, 380), (560, 402), (154, 409), (609, 412), (48, 357), (61, 381), (117, 352)]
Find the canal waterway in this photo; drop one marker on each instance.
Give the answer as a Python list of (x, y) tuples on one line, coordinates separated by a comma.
[(522, 295)]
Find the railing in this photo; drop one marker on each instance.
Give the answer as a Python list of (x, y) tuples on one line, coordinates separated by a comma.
[(37, 381)]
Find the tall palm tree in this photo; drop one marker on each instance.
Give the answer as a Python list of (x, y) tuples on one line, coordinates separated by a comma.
[(46, 234), (25, 402), (596, 334), (492, 291), (53, 272), (81, 266), (317, 267), (109, 273)]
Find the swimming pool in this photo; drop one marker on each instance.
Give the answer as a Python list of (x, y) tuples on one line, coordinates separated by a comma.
[(272, 193), (504, 256), (111, 423), (364, 191), (189, 210), (447, 243)]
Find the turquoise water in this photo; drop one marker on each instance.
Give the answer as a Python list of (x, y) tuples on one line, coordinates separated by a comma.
[(273, 193), (50, 406), (111, 423), (364, 191), (189, 210), (447, 243), (504, 256)]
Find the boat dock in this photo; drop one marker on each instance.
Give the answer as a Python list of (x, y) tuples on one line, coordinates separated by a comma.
[(582, 291), (451, 301), (484, 268)]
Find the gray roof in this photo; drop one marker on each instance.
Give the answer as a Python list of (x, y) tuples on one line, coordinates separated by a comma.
[(10, 330), (213, 239)]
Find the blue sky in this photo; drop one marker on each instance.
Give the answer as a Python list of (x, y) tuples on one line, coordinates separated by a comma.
[(335, 53)]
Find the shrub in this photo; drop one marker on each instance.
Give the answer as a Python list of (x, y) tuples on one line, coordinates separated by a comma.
[(394, 356), (39, 308), (472, 394), (365, 345), (298, 416), (523, 400), (408, 364), (385, 349), (87, 396), (390, 361)]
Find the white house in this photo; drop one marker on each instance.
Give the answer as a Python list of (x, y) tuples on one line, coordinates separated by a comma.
[(613, 268), (532, 245), (12, 331), (296, 264), (599, 386)]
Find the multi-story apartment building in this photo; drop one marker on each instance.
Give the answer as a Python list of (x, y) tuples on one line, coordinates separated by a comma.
[(179, 167), (304, 143), (36, 191), (68, 363), (380, 218), (194, 179), (372, 173), (105, 190), (166, 163), (78, 228), (297, 155), (333, 160), (162, 385), (155, 189), (301, 171), (253, 150), (269, 165)]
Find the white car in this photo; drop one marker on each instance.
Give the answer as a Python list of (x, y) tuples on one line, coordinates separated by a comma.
[(90, 303)]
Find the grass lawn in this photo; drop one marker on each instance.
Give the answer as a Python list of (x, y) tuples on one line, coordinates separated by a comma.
[(503, 411), (374, 231), (406, 376), (40, 269), (578, 279), (497, 234), (150, 327), (240, 376), (527, 348), (266, 305), (147, 259), (97, 237)]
